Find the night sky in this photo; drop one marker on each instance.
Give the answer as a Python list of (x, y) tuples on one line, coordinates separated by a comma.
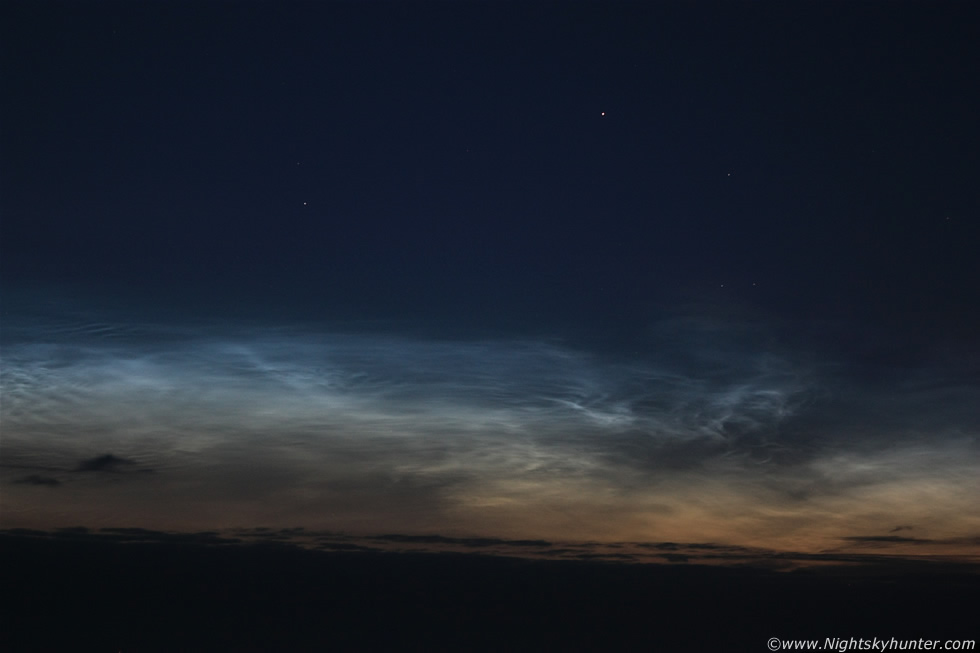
[(664, 281)]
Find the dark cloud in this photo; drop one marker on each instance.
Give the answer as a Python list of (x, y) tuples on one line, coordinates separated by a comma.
[(663, 546), (709, 546), (621, 557), (146, 535), (104, 463), (475, 542), (37, 479), (133, 531), (265, 533), (886, 539), (26, 532), (694, 546), (655, 553), (343, 546), (675, 557)]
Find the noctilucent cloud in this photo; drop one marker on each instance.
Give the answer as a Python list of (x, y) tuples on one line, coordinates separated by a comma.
[(712, 434)]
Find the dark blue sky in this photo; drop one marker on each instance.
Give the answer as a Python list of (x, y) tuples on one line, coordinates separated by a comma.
[(452, 161)]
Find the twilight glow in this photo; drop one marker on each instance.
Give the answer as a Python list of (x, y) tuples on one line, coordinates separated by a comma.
[(702, 438)]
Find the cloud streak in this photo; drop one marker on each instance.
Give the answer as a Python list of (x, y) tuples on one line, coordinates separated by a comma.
[(104, 463), (709, 429)]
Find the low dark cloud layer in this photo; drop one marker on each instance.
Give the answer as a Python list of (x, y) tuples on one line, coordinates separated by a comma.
[(470, 542), (886, 539), (950, 557), (37, 479), (104, 463)]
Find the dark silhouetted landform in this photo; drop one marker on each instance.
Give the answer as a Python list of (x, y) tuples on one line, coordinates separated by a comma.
[(695, 553), (131, 589)]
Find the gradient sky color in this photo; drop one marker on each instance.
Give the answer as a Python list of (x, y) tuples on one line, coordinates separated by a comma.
[(695, 278)]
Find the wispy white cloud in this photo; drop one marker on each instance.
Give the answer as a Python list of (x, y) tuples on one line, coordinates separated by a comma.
[(326, 424)]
